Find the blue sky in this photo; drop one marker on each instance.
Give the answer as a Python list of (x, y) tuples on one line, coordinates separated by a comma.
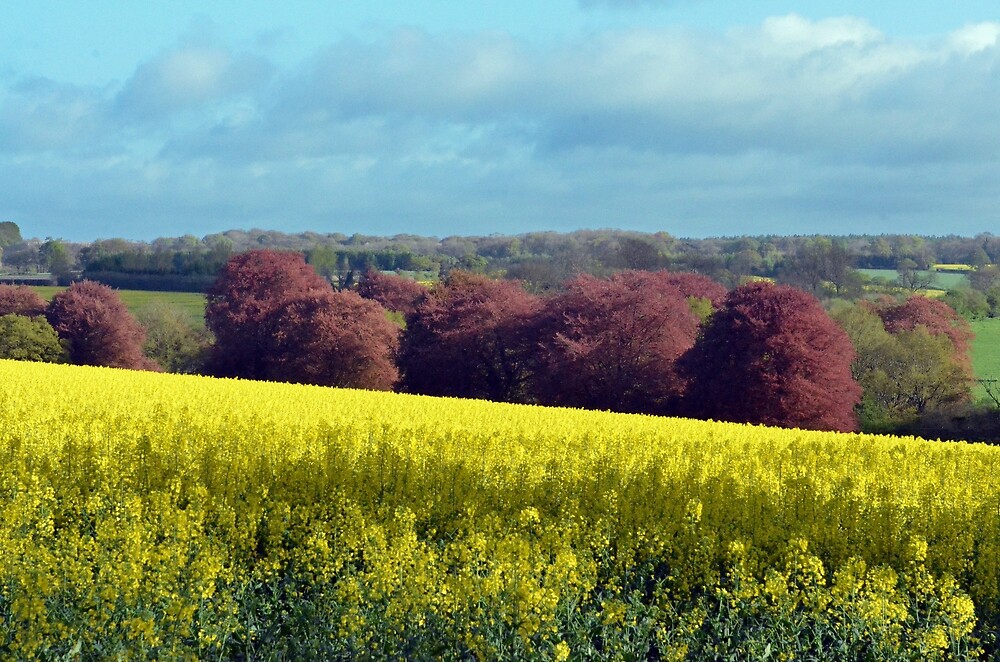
[(694, 117)]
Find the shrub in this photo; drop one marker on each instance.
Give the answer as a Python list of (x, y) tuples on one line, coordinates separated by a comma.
[(29, 339)]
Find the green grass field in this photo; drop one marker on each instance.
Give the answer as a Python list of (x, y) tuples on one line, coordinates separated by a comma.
[(986, 351), (943, 281), (192, 303)]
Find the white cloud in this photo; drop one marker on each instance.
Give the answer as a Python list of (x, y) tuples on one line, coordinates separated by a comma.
[(790, 120), (795, 36), (975, 38), (190, 77)]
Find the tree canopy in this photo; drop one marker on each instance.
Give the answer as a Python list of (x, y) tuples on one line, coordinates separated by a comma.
[(249, 288), (393, 292), (29, 339), (275, 318), (21, 300), (904, 374), (772, 355), (332, 339), (613, 343), (10, 234), (97, 327), (937, 317), (470, 337)]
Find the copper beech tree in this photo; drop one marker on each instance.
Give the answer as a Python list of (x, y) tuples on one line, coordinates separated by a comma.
[(691, 285), (937, 317), (249, 288), (392, 292), (274, 318), (332, 339), (97, 327), (20, 300), (613, 343), (772, 355), (470, 337)]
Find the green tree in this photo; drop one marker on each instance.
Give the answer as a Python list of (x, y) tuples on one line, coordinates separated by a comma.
[(967, 302), (57, 258), (903, 375), (172, 340), (980, 258), (9, 234), (823, 265), (985, 278), (911, 277), (636, 253), (29, 339)]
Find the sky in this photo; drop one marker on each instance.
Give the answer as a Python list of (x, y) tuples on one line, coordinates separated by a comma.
[(692, 117)]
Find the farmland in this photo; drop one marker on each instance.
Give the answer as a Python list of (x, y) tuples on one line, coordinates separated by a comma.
[(940, 280), (191, 303), (174, 516), (986, 350)]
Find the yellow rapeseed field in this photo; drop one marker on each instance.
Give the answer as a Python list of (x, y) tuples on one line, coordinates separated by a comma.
[(148, 515)]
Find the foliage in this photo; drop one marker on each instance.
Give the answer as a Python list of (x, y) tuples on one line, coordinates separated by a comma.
[(10, 234), (936, 316), (178, 517), (822, 264), (275, 318), (173, 341), (250, 287), (29, 339), (20, 300), (985, 279), (772, 355), (903, 375), (58, 259), (911, 277), (97, 328), (471, 337), (332, 339), (392, 292), (131, 262), (693, 286), (969, 303), (613, 343)]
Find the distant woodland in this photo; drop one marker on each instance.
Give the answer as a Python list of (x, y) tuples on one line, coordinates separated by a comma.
[(826, 266)]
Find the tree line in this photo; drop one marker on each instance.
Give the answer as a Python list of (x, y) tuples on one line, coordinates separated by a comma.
[(541, 261), (649, 342)]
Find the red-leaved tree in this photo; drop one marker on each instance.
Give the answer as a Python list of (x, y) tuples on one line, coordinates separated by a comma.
[(97, 327), (696, 286), (249, 288), (772, 355), (937, 317), (613, 343), (332, 339), (470, 337), (20, 300), (392, 292)]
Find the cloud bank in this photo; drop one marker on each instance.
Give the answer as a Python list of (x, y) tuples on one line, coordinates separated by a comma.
[(791, 126)]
